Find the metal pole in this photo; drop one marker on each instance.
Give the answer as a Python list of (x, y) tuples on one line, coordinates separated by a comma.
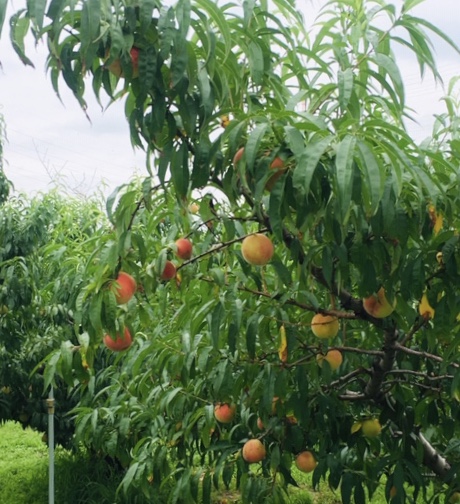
[(50, 404)]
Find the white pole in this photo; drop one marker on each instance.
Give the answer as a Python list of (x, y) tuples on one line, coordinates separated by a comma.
[(50, 403)]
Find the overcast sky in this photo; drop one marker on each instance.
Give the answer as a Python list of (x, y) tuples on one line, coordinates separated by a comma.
[(49, 140)]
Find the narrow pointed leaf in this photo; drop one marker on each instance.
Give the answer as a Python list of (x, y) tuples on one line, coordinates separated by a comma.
[(307, 163), (344, 173)]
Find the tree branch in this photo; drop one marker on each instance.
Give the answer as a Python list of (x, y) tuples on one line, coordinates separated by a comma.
[(424, 355), (382, 366), (432, 459)]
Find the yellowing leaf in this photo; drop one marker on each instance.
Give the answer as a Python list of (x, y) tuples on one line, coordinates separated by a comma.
[(438, 223), (356, 427), (436, 219), (425, 309), (282, 349)]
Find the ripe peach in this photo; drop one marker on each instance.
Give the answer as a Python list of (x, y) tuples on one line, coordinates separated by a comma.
[(169, 271), (125, 287), (377, 305), (184, 248), (278, 168), (333, 357), (253, 451), (224, 412), (134, 53), (324, 326), (120, 342), (257, 249), (116, 68), (306, 461)]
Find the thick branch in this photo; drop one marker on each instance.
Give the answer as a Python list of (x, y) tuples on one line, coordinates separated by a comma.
[(382, 366), (433, 460)]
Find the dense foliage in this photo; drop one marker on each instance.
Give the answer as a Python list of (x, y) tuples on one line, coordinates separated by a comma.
[(353, 206)]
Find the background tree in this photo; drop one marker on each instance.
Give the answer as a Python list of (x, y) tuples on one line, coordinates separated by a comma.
[(302, 140), (45, 242)]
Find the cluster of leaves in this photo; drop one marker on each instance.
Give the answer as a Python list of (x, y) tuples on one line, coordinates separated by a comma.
[(359, 205)]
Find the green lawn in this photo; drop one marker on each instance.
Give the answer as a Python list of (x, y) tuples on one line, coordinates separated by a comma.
[(23, 466)]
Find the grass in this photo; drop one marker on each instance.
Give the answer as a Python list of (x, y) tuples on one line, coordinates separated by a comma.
[(23, 465)]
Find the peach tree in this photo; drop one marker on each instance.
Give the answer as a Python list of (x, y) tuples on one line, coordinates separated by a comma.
[(335, 345)]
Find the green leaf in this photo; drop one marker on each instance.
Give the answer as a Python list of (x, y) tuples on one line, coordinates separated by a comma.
[(95, 310), (217, 16), (19, 27), (359, 495), (83, 339), (345, 81), (207, 99), (295, 140), (50, 369), (207, 488), (65, 362), (373, 186), (307, 163), (183, 9), (252, 145), (256, 62), (216, 321), (251, 334), (410, 4), (434, 29), (3, 5), (344, 174), (89, 29), (391, 67), (148, 73), (275, 207), (36, 12), (179, 60), (129, 476), (179, 170), (146, 13), (346, 488)]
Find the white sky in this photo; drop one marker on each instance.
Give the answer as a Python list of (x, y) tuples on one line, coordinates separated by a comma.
[(49, 140)]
